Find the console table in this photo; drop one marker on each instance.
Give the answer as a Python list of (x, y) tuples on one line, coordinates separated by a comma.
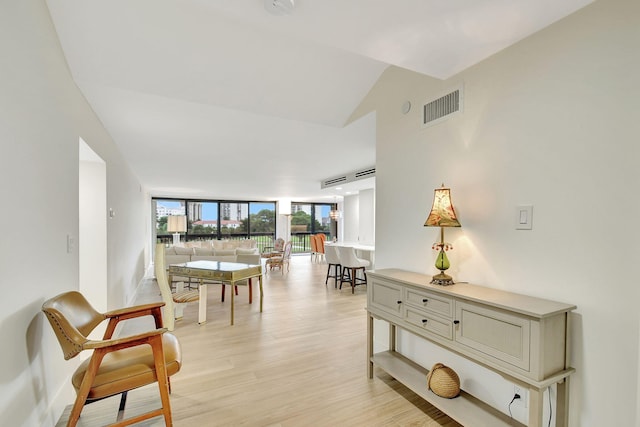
[(524, 339)]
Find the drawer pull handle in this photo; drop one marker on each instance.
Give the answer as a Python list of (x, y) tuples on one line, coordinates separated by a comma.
[(425, 320), (425, 300), (455, 322), (399, 302)]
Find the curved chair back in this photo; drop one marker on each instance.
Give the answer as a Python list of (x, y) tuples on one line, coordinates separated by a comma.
[(347, 256), (331, 254), (287, 251), (160, 269), (320, 239), (72, 319), (278, 245), (313, 242)]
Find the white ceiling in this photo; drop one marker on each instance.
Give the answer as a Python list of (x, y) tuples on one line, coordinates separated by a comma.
[(221, 99)]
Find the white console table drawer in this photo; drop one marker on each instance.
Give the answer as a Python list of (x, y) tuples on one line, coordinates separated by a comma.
[(429, 323), (430, 302)]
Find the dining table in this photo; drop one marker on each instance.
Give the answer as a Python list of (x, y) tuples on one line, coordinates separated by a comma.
[(232, 273)]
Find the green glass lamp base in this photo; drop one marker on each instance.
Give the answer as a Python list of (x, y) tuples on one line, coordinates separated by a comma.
[(442, 264), (442, 279)]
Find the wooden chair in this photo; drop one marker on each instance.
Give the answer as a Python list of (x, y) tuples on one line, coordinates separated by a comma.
[(174, 301), (279, 261), (276, 249), (117, 365)]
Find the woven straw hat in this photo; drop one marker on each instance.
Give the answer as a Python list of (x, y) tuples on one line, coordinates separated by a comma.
[(443, 381)]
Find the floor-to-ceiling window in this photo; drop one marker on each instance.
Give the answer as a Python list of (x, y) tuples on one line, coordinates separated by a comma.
[(218, 219), (307, 219)]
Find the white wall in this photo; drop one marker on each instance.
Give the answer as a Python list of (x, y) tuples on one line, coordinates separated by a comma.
[(350, 218), (42, 116), (92, 223), (552, 122), (358, 217), (367, 216)]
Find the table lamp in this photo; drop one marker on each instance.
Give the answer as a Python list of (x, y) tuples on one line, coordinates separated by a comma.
[(176, 224), (442, 215)]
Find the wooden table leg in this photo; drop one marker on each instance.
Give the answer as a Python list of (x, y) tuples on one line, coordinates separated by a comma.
[(562, 403), (261, 293), (250, 285), (535, 406), (232, 301)]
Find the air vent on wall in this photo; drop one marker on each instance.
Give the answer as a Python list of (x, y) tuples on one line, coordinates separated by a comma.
[(440, 109), (366, 173), (349, 177)]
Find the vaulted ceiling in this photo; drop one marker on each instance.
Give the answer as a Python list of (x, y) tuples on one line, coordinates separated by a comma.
[(223, 99)]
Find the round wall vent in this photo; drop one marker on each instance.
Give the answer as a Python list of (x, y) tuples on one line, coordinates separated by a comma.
[(279, 7)]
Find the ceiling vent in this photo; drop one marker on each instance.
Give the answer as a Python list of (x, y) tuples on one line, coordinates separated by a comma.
[(438, 110), (349, 177)]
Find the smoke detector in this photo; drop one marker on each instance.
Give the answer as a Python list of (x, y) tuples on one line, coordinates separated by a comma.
[(279, 7)]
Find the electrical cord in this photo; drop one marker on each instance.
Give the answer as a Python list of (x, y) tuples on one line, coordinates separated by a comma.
[(550, 407), (515, 396)]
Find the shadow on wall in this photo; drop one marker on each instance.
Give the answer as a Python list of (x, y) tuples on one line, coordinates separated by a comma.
[(24, 358)]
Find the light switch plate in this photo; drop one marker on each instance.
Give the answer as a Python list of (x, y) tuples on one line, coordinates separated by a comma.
[(524, 217)]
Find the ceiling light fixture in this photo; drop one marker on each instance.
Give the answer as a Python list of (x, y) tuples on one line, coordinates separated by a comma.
[(279, 7)]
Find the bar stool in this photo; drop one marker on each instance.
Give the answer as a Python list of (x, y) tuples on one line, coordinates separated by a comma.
[(350, 266), (331, 255)]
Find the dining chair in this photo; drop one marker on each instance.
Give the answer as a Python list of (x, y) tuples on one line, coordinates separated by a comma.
[(276, 249), (331, 255), (320, 240), (116, 365), (351, 264), (279, 261), (174, 301), (313, 242)]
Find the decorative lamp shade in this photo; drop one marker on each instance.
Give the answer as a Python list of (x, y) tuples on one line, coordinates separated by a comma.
[(334, 214), (442, 213), (176, 223)]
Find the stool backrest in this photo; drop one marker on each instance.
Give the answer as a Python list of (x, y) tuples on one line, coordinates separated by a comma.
[(331, 255), (347, 256)]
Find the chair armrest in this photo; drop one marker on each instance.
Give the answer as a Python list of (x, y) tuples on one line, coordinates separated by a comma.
[(267, 249), (128, 341), (115, 316), (137, 310)]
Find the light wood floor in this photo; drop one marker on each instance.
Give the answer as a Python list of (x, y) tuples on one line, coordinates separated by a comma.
[(302, 362)]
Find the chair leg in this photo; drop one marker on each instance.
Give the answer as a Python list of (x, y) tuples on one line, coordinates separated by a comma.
[(353, 280), (123, 402), (328, 272), (163, 379), (83, 392), (345, 276), (179, 310)]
